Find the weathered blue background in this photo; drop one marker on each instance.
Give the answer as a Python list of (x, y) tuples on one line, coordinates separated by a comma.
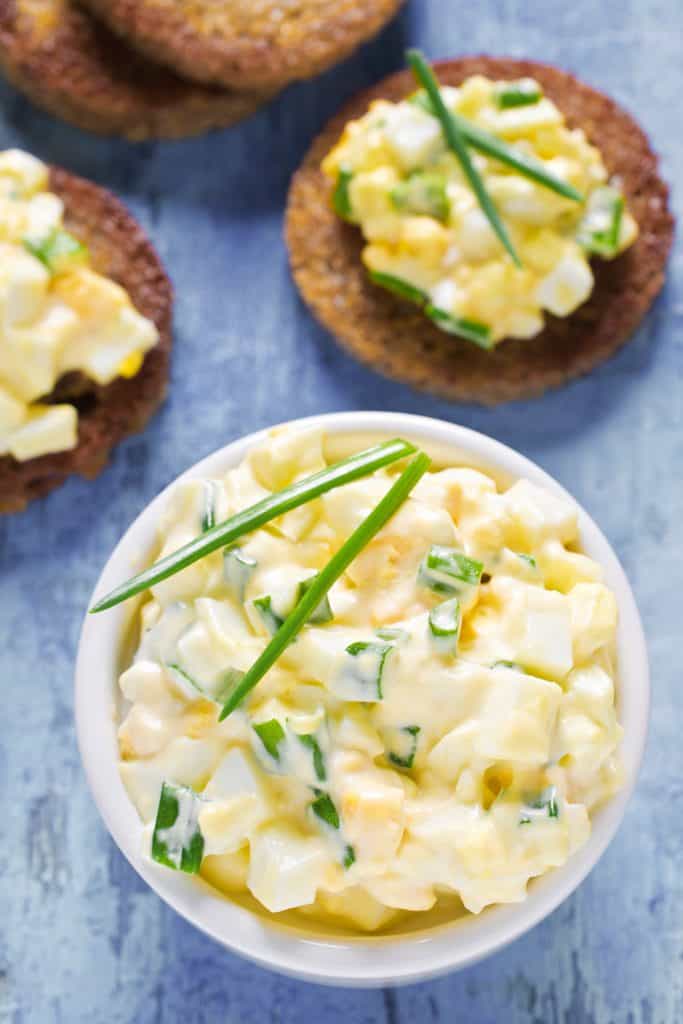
[(81, 938)]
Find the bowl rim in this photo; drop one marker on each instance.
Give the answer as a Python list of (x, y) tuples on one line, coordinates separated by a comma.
[(361, 961)]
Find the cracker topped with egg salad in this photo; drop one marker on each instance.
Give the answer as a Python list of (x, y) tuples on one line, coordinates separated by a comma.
[(487, 239), (363, 688), (85, 325)]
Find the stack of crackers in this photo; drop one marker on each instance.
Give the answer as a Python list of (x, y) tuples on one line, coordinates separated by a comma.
[(172, 68)]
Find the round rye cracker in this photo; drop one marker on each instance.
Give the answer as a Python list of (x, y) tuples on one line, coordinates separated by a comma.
[(397, 340), (246, 44), (75, 68), (120, 249)]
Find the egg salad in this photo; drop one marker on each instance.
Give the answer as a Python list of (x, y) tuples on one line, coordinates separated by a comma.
[(428, 239), (442, 728), (56, 315)]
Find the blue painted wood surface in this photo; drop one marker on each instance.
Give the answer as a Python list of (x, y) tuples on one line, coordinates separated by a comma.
[(81, 938)]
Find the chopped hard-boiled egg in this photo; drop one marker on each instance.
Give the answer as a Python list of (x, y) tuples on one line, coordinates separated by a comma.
[(427, 237), (440, 728), (57, 315)]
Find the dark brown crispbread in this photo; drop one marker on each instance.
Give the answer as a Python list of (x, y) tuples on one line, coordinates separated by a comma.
[(397, 340), (74, 67), (246, 44), (120, 249)]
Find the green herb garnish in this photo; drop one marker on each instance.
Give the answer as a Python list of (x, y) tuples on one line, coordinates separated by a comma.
[(448, 571), (491, 146), (271, 620), (361, 678), (353, 468), (444, 624), (399, 287), (58, 251), (422, 193), (216, 693), (298, 617), (311, 743), (177, 840), (323, 808), (405, 758), (323, 612), (238, 568), (271, 735), (600, 227), (341, 201), (470, 330), (457, 144), (529, 559), (517, 94), (545, 801)]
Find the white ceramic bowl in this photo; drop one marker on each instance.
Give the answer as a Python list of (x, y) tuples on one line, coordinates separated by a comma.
[(355, 961)]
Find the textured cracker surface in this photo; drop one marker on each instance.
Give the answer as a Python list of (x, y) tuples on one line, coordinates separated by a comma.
[(72, 66), (120, 249), (394, 337), (82, 940), (247, 43)]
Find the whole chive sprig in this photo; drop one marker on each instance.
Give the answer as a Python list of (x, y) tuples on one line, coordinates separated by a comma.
[(456, 142), (327, 576), (356, 466), (490, 145), (527, 166)]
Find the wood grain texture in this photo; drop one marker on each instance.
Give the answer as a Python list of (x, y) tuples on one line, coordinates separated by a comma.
[(81, 939)]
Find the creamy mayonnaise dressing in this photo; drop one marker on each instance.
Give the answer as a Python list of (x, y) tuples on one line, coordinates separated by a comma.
[(427, 236), (446, 725), (56, 315)]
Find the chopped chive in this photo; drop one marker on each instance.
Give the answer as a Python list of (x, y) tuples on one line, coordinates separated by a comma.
[(406, 757), (58, 251), (217, 693), (470, 330), (311, 743), (457, 143), (324, 808), (341, 201), (521, 93), (514, 665), (298, 617), (361, 676), (271, 620), (271, 735), (447, 571), (182, 677), (444, 624), (349, 857), (544, 801), (491, 146), (177, 841), (238, 568), (398, 287), (529, 559), (323, 612), (601, 224), (353, 468), (422, 193)]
